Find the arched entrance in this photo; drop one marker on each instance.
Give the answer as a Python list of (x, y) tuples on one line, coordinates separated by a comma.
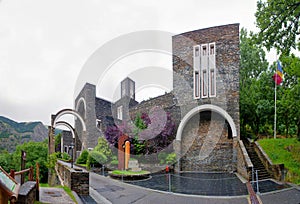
[(54, 123), (205, 140), (72, 130)]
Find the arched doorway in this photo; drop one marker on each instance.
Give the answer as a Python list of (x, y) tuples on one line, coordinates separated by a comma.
[(206, 137)]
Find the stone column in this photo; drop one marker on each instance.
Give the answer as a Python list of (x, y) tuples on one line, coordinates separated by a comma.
[(51, 150), (51, 140)]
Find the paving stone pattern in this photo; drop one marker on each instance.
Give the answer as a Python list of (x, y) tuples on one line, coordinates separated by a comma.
[(55, 195)]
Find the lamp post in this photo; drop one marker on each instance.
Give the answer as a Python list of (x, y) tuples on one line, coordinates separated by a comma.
[(72, 149)]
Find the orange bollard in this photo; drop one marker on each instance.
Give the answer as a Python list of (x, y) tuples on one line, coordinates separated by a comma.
[(167, 169), (127, 154)]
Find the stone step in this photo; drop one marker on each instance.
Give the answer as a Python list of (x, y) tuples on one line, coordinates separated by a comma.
[(136, 169), (257, 164), (133, 164)]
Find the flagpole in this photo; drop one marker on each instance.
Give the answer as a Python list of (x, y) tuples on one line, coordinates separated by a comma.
[(275, 109)]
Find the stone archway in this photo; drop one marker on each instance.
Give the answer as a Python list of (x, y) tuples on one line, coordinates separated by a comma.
[(54, 121), (206, 107), (51, 134), (72, 130), (206, 144)]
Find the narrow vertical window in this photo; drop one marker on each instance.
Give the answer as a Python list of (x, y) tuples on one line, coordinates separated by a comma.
[(123, 88), (212, 70), (212, 83), (120, 112), (196, 56), (204, 84), (131, 89), (197, 85), (204, 71)]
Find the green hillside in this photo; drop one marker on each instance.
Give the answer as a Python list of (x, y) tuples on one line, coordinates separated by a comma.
[(20, 127), (13, 133), (286, 151)]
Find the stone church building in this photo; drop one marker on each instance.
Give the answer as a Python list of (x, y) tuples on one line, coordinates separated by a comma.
[(204, 103)]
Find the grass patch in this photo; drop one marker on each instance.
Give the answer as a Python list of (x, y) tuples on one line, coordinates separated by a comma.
[(69, 192), (287, 152), (82, 165), (120, 172), (44, 185)]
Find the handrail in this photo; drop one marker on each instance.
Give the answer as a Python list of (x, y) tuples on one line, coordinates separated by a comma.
[(13, 173)]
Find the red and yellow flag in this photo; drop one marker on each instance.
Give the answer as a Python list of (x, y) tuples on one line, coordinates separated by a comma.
[(278, 76)]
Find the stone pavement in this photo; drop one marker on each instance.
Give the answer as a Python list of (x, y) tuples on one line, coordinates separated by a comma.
[(54, 195), (287, 196), (106, 190)]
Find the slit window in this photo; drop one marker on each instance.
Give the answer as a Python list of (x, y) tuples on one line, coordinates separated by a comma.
[(197, 85), (120, 112), (204, 84)]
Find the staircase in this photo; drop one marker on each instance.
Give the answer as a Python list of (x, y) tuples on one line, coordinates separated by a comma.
[(257, 164)]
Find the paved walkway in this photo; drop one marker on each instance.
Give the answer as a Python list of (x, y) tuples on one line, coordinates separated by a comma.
[(287, 196), (54, 195), (106, 190)]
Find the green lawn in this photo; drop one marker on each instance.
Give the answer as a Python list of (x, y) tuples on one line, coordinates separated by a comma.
[(119, 172), (286, 151)]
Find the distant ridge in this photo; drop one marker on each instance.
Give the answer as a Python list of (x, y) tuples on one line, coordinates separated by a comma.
[(13, 133)]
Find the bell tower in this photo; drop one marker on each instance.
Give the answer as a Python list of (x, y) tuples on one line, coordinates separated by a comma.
[(128, 88)]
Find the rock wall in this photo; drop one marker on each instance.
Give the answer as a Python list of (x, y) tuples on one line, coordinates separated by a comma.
[(87, 110), (206, 146), (27, 193), (227, 55), (244, 165), (76, 179), (226, 39)]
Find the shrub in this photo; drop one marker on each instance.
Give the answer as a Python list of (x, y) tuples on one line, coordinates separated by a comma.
[(165, 158), (65, 156), (82, 159), (104, 148), (114, 162), (162, 157), (95, 158), (171, 158)]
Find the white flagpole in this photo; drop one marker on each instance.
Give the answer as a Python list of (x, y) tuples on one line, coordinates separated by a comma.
[(275, 109)]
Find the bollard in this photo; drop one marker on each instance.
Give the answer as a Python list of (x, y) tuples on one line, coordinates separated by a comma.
[(122, 176), (257, 189), (170, 184)]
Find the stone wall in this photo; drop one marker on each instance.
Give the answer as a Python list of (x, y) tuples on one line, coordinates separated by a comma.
[(227, 51), (206, 146), (244, 164), (166, 102), (27, 193), (76, 179), (67, 139), (88, 111), (275, 170), (226, 38)]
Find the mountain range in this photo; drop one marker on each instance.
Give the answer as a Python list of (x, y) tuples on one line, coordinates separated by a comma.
[(13, 133)]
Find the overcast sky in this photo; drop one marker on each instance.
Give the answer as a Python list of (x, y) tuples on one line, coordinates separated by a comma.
[(44, 44)]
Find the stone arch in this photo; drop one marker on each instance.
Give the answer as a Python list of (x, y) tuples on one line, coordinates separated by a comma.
[(68, 111), (206, 107), (79, 102), (63, 123), (72, 130)]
